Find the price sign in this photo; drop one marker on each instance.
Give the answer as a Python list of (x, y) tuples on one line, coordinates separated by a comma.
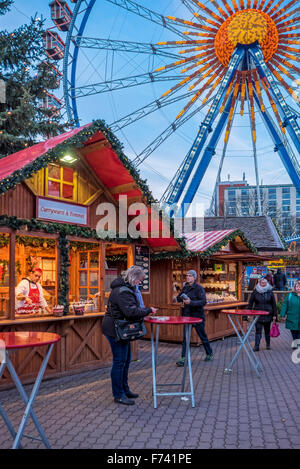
[(142, 259)]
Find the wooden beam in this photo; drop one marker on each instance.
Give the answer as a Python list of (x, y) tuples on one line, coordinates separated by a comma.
[(95, 146), (98, 181), (37, 234), (92, 199), (102, 275), (124, 188), (130, 255), (12, 276), (31, 187)]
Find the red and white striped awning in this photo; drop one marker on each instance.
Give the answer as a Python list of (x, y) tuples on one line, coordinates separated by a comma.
[(202, 241)]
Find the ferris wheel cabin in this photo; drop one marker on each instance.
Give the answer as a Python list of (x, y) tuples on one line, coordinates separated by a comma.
[(54, 45), (52, 103), (61, 14)]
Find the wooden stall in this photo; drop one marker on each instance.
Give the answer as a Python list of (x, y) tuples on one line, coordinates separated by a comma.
[(218, 258), (60, 211)]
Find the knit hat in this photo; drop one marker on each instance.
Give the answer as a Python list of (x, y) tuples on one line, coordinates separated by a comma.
[(193, 273)]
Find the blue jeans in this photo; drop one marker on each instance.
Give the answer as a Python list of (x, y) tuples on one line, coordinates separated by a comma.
[(200, 329), (119, 372)]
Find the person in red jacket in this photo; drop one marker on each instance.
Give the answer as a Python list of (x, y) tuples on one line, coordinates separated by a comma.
[(269, 278)]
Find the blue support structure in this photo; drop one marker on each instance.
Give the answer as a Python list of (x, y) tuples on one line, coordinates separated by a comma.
[(205, 129), (288, 118), (205, 160), (291, 167)]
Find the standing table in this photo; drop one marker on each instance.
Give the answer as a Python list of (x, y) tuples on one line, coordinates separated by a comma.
[(188, 323), (10, 341), (242, 337)]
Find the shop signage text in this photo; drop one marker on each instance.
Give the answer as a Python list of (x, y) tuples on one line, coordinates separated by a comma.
[(61, 212)]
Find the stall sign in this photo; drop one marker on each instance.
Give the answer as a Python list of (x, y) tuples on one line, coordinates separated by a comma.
[(218, 267), (278, 264), (61, 212), (142, 259)]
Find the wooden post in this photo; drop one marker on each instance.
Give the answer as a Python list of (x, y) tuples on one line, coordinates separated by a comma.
[(102, 274), (240, 279), (12, 275), (58, 263), (130, 256)]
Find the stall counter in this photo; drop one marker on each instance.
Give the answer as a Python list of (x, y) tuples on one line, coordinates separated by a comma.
[(82, 346)]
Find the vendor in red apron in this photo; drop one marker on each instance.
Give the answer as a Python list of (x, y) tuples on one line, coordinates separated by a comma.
[(29, 294)]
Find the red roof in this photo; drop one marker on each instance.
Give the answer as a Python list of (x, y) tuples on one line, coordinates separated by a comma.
[(21, 158), (105, 163)]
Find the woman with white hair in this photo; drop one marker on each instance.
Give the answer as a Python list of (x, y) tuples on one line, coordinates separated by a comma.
[(123, 303), (263, 299)]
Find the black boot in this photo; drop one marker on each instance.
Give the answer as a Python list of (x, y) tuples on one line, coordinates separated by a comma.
[(268, 342), (257, 342)]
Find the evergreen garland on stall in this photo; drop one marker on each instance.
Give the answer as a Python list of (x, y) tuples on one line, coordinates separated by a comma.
[(63, 288)]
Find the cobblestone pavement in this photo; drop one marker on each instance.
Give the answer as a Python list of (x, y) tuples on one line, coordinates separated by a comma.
[(233, 411)]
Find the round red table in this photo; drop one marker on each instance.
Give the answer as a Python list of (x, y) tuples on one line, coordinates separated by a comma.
[(242, 337), (10, 341), (176, 320)]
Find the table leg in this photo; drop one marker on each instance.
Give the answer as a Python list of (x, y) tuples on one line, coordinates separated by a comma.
[(154, 361), (29, 402), (255, 358), (188, 349), (2, 411), (243, 342)]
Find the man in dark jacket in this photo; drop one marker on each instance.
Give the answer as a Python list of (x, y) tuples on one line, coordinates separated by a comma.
[(279, 280), (193, 306)]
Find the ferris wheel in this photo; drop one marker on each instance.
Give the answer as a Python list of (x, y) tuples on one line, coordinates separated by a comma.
[(215, 62)]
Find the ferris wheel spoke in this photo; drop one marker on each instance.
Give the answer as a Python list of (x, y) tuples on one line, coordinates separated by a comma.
[(146, 110), (124, 46), (165, 135), (120, 84), (150, 15)]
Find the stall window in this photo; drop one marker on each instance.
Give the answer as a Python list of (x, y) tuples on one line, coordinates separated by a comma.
[(89, 273), (60, 182)]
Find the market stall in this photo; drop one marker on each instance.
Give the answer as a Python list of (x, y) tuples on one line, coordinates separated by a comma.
[(61, 241), (218, 258)]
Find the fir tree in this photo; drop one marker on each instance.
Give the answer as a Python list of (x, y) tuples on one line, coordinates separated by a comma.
[(26, 74)]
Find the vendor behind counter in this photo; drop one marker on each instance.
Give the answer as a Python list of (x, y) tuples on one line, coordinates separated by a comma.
[(29, 294)]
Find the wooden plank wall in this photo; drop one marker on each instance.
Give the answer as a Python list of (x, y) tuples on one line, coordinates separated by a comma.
[(19, 202)]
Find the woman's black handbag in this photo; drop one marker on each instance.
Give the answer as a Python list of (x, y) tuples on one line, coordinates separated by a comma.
[(129, 331)]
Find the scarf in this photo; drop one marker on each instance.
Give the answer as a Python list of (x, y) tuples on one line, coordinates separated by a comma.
[(261, 289)]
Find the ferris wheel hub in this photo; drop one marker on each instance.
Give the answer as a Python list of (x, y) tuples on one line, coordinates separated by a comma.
[(246, 27)]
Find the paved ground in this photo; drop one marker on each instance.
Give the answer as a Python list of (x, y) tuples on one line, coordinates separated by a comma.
[(232, 411)]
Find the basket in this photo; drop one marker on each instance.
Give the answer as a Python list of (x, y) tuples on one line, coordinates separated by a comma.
[(58, 311), (78, 310)]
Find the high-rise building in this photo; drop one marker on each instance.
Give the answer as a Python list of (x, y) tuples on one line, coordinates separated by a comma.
[(280, 202)]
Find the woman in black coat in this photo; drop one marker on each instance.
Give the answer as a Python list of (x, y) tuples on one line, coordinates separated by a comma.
[(262, 298), (123, 303)]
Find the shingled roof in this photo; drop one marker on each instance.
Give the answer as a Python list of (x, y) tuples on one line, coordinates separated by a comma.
[(259, 230)]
